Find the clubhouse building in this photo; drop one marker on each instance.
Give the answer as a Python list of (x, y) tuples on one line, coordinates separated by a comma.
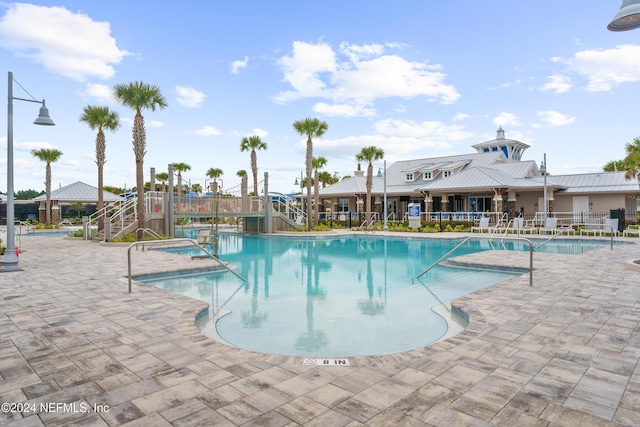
[(493, 179)]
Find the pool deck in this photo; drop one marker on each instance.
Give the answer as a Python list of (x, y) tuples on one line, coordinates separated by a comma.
[(77, 349)]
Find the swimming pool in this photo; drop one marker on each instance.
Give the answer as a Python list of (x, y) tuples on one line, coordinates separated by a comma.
[(337, 297)]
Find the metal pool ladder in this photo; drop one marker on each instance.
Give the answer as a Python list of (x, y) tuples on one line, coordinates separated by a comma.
[(448, 254)]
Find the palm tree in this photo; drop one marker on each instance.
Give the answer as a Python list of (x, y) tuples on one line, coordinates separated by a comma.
[(162, 177), (253, 143), (47, 155), (632, 160), (100, 118), (615, 166), (369, 154), (180, 167), (139, 96), (317, 163), (214, 173), (311, 128), (326, 178)]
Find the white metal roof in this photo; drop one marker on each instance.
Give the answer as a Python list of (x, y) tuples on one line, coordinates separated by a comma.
[(79, 192), (603, 182)]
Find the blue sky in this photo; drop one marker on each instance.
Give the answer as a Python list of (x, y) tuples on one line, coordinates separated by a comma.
[(415, 78)]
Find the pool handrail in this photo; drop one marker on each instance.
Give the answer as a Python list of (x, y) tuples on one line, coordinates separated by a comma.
[(570, 228), (445, 256), (192, 241)]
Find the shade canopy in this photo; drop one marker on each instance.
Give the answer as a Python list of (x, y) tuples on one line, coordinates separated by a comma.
[(627, 18)]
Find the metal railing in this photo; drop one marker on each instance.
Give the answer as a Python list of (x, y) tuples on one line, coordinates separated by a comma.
[(568, 228), (448, 254), (159, 242)]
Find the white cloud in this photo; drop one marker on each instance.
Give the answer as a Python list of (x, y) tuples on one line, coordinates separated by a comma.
[(557, 84), (260, 132), (608, 68), (343, 110), (101, 93), (357, 53), (33, 145), (189, 97), (302, 70), (207, 131), (460, 116), (433, 130), (356, 76), (553, 118), (238, 65), (506, 119), (65, 43)]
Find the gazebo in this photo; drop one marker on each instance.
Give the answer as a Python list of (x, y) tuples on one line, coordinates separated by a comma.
[(78, 192)]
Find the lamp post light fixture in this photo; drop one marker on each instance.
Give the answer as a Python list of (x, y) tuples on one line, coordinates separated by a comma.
[(627, 18), (10, 258)]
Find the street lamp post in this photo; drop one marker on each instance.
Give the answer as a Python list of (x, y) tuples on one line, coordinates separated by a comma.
[(10, 257), (543, 171), (385, 227)]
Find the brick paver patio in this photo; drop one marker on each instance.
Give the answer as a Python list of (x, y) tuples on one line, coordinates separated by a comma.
[(77, 349)]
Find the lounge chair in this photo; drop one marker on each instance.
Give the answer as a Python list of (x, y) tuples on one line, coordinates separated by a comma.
[(610, 226), (591, 226), (516, 226), (629, 231), (483, 226), (550, 226)]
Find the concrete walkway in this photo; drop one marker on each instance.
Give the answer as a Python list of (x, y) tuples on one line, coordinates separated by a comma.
[(77, 349)]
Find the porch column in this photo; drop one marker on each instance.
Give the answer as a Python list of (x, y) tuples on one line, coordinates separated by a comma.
[(445, 203), (511, 203), (55, 212), (428, 202), (42, 212), (497, 199)]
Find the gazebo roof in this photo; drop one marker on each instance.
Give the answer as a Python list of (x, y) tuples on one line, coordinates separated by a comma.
[(79, 192)]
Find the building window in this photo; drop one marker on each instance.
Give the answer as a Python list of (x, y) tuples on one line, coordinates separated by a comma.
[(446, 173), (428, 175), (343, 205), (409, 176)]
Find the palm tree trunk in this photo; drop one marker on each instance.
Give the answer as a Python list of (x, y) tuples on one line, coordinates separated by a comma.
[(139, 146), (316, 196), (309, 160), (254, 171), (47, 185), (100, 160)]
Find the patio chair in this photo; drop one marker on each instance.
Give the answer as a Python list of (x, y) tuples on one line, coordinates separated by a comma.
[(516, 225), (610, 226), (632, 230), (483, 226), (550, 226), (591, 226)]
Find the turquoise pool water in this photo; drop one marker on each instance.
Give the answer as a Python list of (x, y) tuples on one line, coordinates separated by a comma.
[(330, 297), (337, 297)]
